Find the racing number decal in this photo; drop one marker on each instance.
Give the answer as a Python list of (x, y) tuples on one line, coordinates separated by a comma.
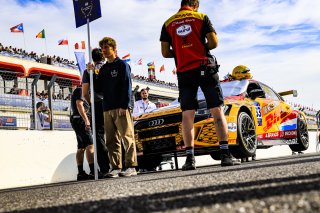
[(258, 113)]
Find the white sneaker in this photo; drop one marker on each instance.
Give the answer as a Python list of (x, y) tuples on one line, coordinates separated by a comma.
[(113, 174), (128, 172), (236, 161)]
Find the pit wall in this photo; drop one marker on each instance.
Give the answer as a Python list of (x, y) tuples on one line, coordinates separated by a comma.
[(32, 157)]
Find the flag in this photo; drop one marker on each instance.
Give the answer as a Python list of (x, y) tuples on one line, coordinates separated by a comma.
[(41, 34), (81, 62), (63, 42), (139, 62), (83, 45), (126, 58), (174, 71), (17, 29), (162, 68)]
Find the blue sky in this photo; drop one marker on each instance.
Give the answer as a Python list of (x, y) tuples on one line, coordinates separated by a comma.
[(24, 2), (278, 40)]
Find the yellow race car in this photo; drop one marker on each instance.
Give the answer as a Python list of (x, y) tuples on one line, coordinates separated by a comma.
[(257, 117)]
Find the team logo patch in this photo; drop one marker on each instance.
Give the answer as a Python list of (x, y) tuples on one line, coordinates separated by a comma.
[(184, 30), (114, 73)]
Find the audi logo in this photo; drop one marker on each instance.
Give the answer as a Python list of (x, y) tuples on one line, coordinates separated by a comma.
[(156, 122)]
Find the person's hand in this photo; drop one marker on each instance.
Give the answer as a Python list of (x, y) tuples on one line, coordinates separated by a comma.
[(90, 66), (87, 126), (122, 112)]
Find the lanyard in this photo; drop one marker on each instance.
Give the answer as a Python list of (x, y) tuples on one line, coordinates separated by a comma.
[(145, 108), (40, 118)]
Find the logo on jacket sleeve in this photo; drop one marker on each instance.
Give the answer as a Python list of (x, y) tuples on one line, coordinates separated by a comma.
[(184, 30)]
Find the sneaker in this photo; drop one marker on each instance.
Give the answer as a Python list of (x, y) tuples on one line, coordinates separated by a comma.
[(82, 176), (190, 164), (226, 160), (113, 174), (128, 172), (254, 157), (91, 176), (236, 161)]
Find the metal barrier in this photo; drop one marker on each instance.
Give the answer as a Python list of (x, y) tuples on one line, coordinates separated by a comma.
[(19, 95)]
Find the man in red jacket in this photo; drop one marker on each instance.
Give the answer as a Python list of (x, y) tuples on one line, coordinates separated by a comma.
[(188, 36)]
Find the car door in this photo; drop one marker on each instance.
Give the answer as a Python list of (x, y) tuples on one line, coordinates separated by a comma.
[(270, 106)]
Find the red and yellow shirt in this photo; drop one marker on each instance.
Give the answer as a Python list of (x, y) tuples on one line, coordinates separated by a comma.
[(186, 32)]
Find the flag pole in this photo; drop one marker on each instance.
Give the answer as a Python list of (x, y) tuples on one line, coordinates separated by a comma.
[(93, 123), (45, 42), (68, 49), (24, 41)]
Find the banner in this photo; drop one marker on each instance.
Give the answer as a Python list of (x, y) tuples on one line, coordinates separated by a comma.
[(84, 9), (81, 62)]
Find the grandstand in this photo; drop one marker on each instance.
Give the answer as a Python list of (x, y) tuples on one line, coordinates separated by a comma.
[(24, 74)]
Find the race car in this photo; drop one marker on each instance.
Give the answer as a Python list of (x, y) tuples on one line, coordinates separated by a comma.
[(257, 117)]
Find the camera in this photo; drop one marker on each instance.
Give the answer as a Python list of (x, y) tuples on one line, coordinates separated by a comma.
[(46, 110)]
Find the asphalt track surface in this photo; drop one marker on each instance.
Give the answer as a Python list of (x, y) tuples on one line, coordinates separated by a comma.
[(286, 184)]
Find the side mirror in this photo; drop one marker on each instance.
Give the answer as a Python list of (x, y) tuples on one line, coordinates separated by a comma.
[(256, 93)]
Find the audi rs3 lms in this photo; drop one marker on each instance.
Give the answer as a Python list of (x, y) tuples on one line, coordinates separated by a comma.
[(257, 117)]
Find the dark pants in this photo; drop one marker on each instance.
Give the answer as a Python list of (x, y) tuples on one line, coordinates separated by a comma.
[(102, 152), (84, 137)]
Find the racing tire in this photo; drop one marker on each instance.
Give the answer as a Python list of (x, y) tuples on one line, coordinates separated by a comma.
[(149, 162), (246, 137), (302, 137)]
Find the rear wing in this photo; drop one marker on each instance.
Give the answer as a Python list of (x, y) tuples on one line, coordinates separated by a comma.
[(289, 92)]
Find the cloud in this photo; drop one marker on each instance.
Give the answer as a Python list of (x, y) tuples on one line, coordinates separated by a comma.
[(277, 39)]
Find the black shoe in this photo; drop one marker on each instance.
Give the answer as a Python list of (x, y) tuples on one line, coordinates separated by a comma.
[(190, 164), (82, 176), (226, 160), (91, 176)]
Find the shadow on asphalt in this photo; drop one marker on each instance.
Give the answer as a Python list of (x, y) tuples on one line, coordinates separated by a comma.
[(201, 196), (239, 168)]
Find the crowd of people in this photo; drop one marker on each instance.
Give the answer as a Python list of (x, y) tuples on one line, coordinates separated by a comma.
[(62, 62), (153, 81), (20, 53)]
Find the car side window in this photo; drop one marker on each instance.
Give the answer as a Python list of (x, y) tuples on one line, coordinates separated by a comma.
[(252, 86), (270, 93)]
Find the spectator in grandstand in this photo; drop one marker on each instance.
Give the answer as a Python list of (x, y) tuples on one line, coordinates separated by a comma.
[(190, 45), (102, 152), (115, 81), (38, 95), (14, 90), (80, 121), (43, 115), (144, 105)]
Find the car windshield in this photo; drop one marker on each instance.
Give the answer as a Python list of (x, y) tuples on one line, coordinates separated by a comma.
[(231, 88)]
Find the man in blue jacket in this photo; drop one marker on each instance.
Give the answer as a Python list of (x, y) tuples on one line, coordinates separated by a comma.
[(114, 80)]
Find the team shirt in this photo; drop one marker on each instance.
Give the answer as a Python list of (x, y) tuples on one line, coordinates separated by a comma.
[(186, 32)]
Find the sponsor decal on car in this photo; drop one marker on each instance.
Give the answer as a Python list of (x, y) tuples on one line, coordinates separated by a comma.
[(156, 122), (232, 127)]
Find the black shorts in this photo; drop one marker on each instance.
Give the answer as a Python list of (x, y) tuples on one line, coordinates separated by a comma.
[(84, 137), (189, 82)]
